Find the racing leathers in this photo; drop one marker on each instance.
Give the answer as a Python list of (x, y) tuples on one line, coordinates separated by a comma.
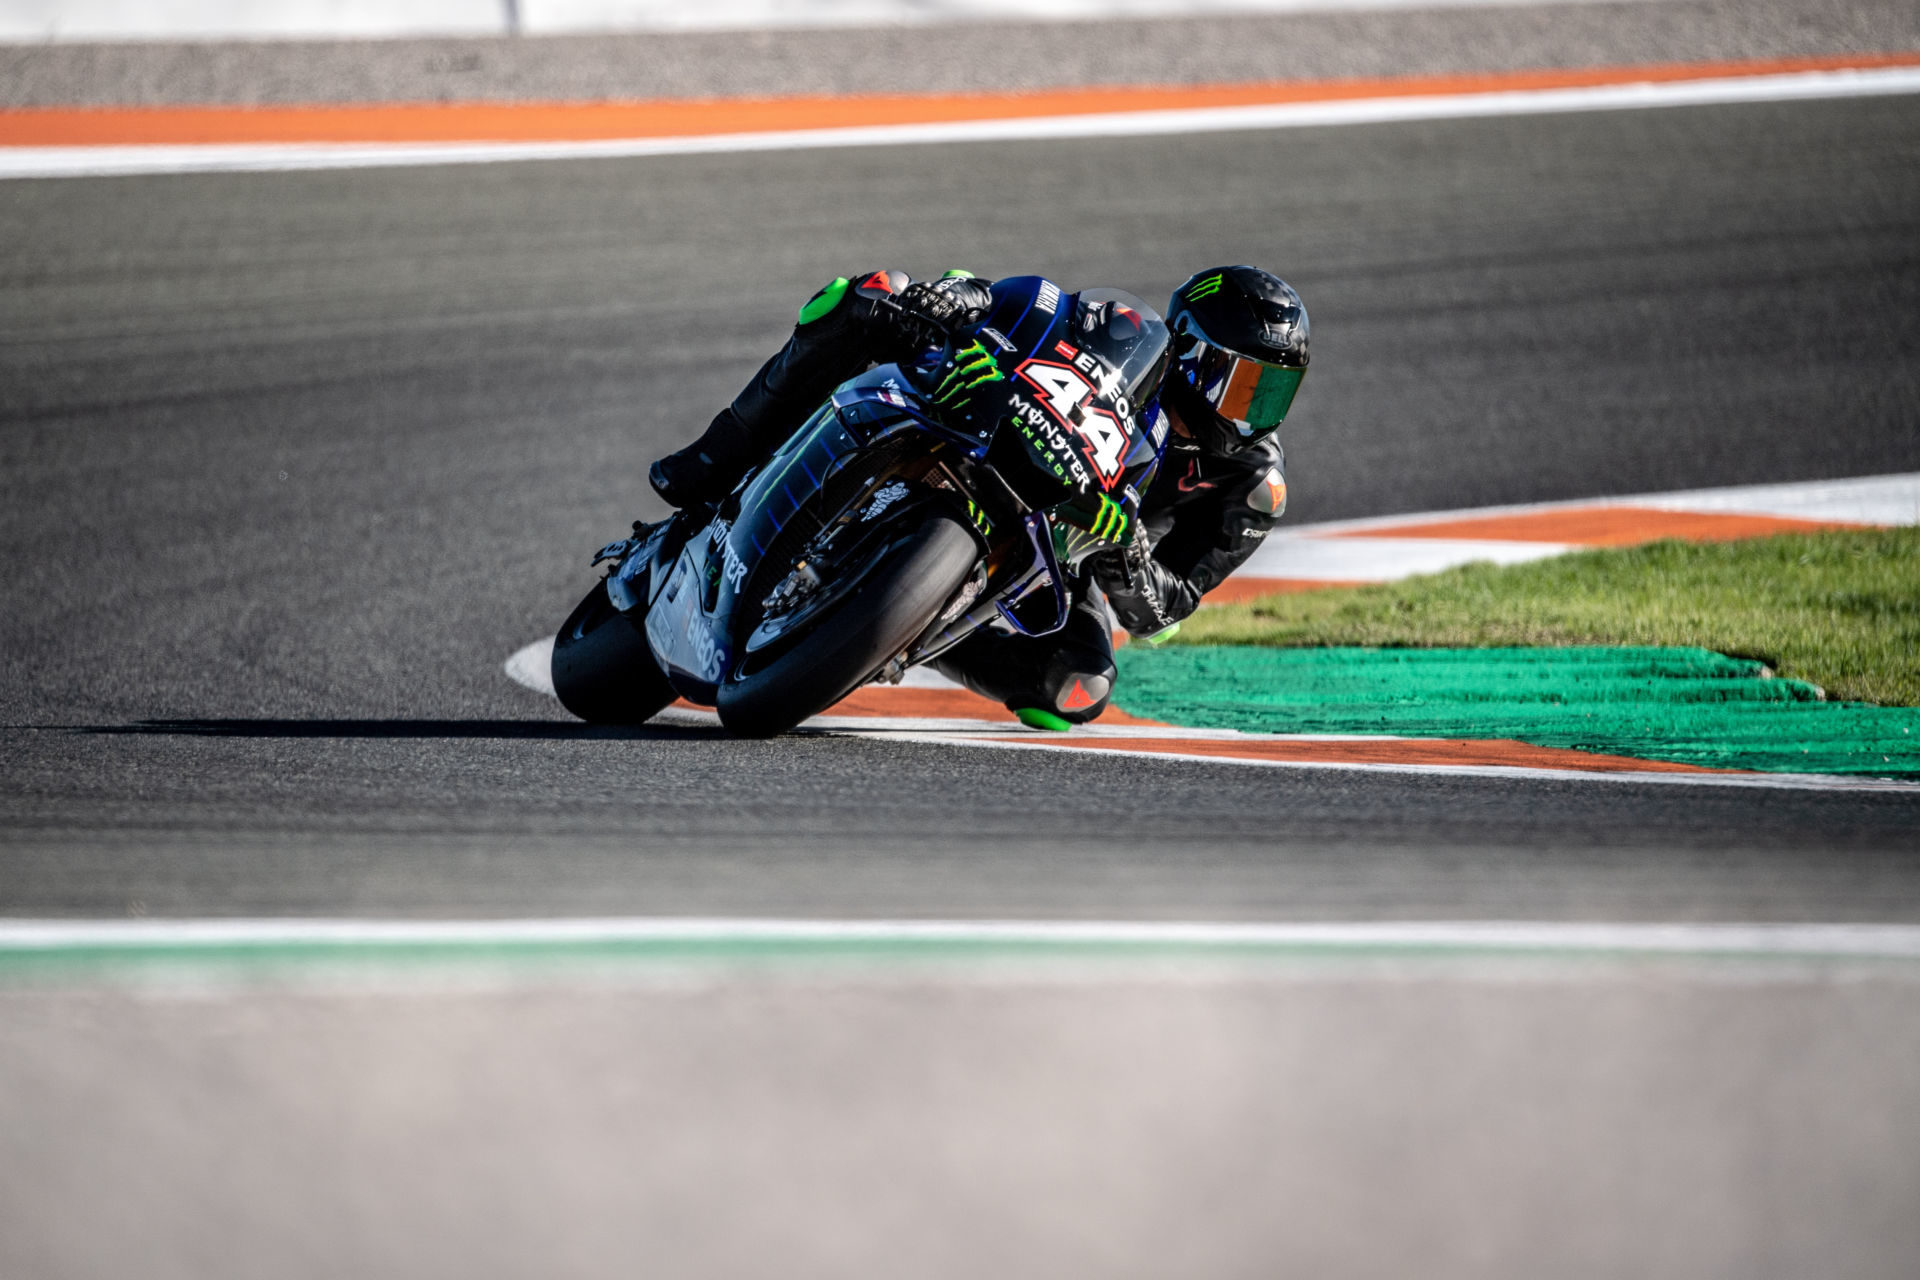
[(1201, 516)]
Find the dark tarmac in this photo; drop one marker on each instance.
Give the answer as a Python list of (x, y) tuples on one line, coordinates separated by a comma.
[(289, 464)]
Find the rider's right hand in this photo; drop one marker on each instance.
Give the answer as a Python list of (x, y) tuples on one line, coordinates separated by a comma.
[(948, 302), (926, 312)]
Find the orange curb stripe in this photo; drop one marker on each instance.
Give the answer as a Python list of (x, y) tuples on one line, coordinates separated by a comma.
[(878, 701), (667, 118), (944, 704), (1443, 751), (928, 704), (1605, 527)]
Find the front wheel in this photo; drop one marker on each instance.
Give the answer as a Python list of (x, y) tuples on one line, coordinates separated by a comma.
[(869, 624), (603, 668)]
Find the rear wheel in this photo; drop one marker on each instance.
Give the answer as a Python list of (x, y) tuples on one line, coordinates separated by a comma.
[(870, 623), (603, 669)]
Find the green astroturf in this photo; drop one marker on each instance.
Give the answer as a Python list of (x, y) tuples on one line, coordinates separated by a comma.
[(1656, 703)]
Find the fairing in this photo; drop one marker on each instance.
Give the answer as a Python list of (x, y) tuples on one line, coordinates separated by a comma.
[(1075, 405)]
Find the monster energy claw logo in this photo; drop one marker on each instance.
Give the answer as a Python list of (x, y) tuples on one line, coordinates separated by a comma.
[(1206, 288), (973, 367), (1111, 522)]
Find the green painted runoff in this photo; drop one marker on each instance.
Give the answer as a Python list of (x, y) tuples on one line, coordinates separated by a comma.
[(1680, 704)]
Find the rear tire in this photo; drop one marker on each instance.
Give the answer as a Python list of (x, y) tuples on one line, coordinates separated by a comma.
[(874, 621), (603, 669)]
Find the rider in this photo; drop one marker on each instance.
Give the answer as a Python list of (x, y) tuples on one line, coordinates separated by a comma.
[(1239, 352)]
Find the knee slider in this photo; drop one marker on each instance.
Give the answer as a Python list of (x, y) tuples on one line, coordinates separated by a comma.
[(1080, 687)]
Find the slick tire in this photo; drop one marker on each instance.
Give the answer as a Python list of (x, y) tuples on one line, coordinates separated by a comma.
[(602, 668), (874, 621)]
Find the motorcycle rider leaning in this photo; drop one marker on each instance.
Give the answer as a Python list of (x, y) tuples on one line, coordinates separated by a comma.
[(1239, 353)]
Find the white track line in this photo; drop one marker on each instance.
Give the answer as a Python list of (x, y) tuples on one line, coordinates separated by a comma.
[(1324, 552), (1304, 554), (67, 162), (1761, 781), (581, 16), (1881, 500), (532, 667), (1895, 941)]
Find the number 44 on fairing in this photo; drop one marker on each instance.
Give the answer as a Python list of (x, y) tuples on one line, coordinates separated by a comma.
[(1066, 394)]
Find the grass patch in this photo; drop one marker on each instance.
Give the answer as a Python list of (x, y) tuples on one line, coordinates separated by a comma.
[(1840, 609)]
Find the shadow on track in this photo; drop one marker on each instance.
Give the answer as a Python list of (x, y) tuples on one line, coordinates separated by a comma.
[(556, 730)]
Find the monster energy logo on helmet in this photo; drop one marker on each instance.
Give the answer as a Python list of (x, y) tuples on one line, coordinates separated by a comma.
[(1206, 288)]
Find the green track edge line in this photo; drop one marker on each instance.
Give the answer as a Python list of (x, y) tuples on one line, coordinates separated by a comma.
[(256, 962)]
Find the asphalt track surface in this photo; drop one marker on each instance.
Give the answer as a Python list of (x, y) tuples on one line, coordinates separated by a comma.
[(290, 463)]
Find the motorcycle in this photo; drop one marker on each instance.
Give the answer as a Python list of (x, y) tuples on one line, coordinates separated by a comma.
[(923, 501)]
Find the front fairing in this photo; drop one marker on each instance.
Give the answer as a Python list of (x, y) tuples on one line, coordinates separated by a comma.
[(701, 606), (690, 625), (1073, 410)]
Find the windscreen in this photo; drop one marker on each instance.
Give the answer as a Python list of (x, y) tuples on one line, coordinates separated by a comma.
[(1126, 333)]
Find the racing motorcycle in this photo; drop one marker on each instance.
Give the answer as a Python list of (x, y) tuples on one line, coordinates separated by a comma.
[(921, 502)]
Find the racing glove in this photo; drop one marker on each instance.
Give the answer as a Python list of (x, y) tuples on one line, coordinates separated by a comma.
[(927, 312), (1147, 597)]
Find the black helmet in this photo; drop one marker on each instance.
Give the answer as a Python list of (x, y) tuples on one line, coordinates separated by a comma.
[(1240, 350)]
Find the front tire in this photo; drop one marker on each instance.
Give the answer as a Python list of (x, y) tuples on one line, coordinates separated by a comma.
[(870, 624), (603, 668)]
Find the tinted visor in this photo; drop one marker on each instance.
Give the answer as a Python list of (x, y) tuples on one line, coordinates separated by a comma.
[(1253, 396)]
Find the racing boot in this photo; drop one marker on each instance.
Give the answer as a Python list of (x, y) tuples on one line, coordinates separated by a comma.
[(1050, 682), (706, 470), (1076, 697)]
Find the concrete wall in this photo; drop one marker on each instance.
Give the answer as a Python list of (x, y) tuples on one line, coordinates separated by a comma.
[(23, 21)]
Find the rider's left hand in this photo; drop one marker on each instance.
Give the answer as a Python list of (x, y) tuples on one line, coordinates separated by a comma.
[(1124, 570)]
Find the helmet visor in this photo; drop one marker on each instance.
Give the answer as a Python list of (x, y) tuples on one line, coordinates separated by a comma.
[(1253, 396)]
